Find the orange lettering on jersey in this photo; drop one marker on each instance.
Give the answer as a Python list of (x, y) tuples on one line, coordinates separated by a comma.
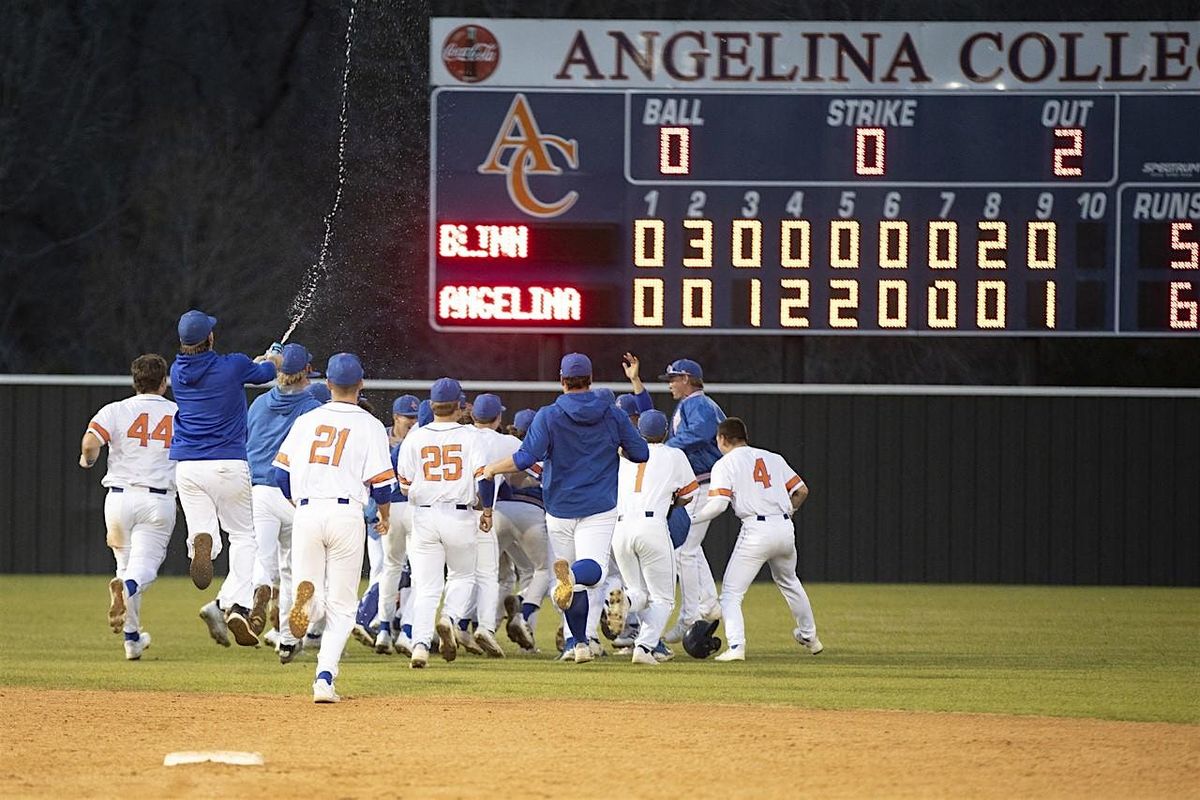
[(527, 150), (326, 434), (140, 430), (761, 475), (163, 431), (445, 459)]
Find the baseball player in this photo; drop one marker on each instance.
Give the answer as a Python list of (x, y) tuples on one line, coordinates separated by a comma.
[(438, 466), (270, 418), (694, 431), (333, 459), (139, 510), (395, 545), (578, 438), (764, 491), (209, 447), (641, 541)]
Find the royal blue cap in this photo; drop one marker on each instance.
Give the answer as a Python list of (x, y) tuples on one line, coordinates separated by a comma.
[(653, 424), (344, 369), (321, 392), (628, 404), (462, 399), (445, 390), (295, 359), (683, 366), (607, 395), (424, 413), (405, 405), (486, 407), (575, 365), (523, 419), (195, 326)]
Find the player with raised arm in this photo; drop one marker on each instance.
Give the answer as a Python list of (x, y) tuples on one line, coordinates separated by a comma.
[(438, 466), (578, 438), (139, 510), (209, 447), (694, 431), (641, 541), (764, 491), (334, 458)]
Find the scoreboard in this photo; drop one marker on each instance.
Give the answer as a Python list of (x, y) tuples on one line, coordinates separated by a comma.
[(985, 211)]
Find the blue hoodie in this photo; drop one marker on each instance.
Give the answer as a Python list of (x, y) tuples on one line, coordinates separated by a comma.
[(209, 389), (577, 439), (270, 418), (693, 429)]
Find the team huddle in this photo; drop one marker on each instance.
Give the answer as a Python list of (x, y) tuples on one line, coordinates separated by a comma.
[(601, 503)]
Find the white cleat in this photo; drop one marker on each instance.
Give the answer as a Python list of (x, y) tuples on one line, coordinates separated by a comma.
[(403, 644), (597, 649), (134, 650), (583, 653), (420, 657), (488, 644), (383, 643), (215, 620), (271, 637), (617, 609), (466, 640), (675, 633), (518, 631), (446, 642), (363, 636), (643, 656), (812, 645), (564, 588), (323, 693), (735, 653)]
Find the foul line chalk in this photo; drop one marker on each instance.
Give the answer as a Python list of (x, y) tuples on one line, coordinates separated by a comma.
[(214, 756)]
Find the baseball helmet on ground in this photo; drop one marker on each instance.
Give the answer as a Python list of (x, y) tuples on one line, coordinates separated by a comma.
[(699, 641)]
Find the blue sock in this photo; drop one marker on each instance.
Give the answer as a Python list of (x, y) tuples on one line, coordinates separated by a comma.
[(463, 624), (132, 637), (569, 643), (586, 571), (528, 610), (131, 588), (326, 676), (407, 630), (577, 616), (385, 626)]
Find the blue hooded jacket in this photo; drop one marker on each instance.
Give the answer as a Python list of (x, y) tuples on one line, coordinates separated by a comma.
[(270, 418), (693, 429), (577, 439), (209, 389)]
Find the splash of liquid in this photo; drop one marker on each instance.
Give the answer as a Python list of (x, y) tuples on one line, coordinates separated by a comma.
[(312, 278)]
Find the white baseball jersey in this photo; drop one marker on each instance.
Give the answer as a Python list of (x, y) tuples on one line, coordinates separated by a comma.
[(440, 462), (495, 445), (138, 433), (649, 486), (336, 451), (757, 481)]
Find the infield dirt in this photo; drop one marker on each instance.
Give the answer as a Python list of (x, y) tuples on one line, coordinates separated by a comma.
[(97, 744)]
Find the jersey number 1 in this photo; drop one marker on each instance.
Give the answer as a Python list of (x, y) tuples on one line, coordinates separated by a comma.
[(761, 475), (326, 436), (140, 430)]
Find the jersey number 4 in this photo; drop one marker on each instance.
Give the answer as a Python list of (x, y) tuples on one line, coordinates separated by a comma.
[(140, 430), (442, 463), (328, 436), (761, 475)]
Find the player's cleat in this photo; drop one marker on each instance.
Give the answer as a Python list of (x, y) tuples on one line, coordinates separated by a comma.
[(812, 645), (643, 656), (528, 651), (512, 607), (201, 569), (560, 641), (617, 608), (288, 652), (298, 618), (446, 642), (215, 620), (597, 649), (134, 649), (363, 634), (323, 693), (662, 652), (518, 630), (271, 637), (273, 608), (675, 632), (383, 643), (402, 644), (239, 626), (564, 588), (259, 611), (420, 657), (487, 642), (116, 605), (466, 640), (583, 653), (622, 651), (734, 653)]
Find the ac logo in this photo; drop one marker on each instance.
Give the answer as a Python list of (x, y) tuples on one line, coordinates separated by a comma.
[(528, 153)]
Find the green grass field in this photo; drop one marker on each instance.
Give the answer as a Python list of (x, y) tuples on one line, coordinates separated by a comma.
[(1115, 653)]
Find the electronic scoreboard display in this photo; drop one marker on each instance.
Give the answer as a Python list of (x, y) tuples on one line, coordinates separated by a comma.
[(923, 207)]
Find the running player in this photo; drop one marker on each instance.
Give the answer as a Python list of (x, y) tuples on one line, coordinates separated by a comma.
[(395, 545)]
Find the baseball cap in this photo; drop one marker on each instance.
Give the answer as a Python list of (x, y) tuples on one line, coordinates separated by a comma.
[(405, 405), (575, 365), (321, 392), (424, 413), (195, 326), (295, 359), (628, 404), (445, 390), (683, 366), (462, 399), (344, 369), (486, 407), (652, 424), (523, 419)]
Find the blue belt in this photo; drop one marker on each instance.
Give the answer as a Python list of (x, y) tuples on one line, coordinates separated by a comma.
[(457, 506), (119, 489), (761, 518), (622, 516), (345, 501)]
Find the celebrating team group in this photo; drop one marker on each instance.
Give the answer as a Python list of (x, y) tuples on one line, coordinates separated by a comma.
[(600, 502)]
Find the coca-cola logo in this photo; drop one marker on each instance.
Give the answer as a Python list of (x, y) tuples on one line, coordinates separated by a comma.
[(471, 53)]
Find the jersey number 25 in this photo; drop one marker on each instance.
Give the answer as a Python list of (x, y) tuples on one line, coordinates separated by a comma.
[(442, 463)]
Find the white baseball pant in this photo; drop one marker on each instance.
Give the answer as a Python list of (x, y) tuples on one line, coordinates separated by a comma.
[(581, 538), (395, 547), (215, 495), (772, 542), (484, 601), (273, 515), (139, 525), (521, 531), (697, 589), (443, 538), (328, 541), (644, 553)]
